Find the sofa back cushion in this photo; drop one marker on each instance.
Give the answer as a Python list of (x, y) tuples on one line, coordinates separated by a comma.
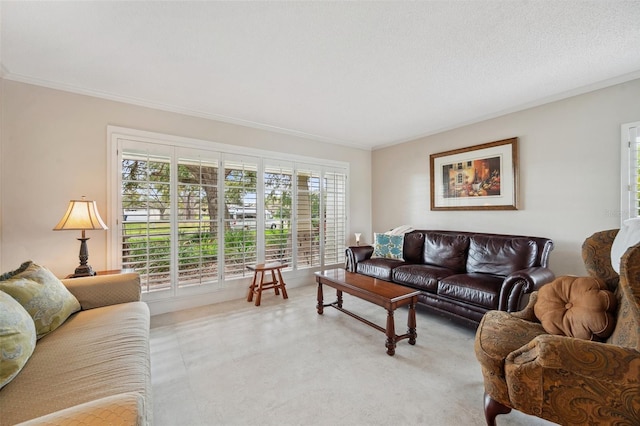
[(413, 246), (446, 250), (498, 255)]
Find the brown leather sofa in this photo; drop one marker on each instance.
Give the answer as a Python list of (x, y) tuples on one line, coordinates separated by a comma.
[(462, 274)]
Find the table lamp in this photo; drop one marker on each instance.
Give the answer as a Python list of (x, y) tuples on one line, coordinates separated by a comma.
[(81, 215)]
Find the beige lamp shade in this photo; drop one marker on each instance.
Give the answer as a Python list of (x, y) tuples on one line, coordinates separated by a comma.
[(81, 215)]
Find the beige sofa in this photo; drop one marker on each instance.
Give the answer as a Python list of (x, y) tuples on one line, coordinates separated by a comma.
[(94, 368)]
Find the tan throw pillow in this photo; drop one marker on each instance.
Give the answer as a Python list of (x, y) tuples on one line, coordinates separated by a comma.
[(42, 295), (17, 338), (579, 307)]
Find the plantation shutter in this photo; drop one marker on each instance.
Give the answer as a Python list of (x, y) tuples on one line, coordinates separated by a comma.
[(188, 216), (145, 230), (307, 218), (240, 197), (335, 207), (630, 194), (197, 194), (278, 196)]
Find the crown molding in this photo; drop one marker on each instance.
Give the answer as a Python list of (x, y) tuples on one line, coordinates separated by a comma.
[(178, 110), (538, 102)]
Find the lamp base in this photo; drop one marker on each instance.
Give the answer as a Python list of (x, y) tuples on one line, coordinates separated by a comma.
[(83, 271)]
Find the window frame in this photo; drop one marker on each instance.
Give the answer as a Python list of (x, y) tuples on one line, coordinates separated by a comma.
[(115, 136), (629, 191)]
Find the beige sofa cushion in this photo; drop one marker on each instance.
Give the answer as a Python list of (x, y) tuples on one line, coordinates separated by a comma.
[(42, 294), (95, 354)]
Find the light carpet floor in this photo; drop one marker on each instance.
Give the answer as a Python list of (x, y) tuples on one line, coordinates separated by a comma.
[(283, 364)]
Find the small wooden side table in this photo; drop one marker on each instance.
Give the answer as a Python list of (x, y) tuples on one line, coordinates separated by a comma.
[(276, 283)]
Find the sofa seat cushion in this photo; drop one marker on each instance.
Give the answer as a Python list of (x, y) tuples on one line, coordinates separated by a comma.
[(379, 267), (95, 354), (422, 277), (500, 255), (477, 289)]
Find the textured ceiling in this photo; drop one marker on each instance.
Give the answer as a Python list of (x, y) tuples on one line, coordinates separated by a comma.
[(364, 74)]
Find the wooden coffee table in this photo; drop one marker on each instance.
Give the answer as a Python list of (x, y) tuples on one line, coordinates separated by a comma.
[(382, 293)]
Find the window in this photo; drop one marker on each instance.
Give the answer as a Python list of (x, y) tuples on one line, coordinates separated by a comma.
[(630, 188), (241, 234), (278, 196), (191, 215)]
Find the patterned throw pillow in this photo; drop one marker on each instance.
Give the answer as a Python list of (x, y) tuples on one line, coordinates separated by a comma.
[(388, 246), (17, 338), (43, 296)]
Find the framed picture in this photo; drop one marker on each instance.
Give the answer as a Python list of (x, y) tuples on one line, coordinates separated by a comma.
[(480, 177)]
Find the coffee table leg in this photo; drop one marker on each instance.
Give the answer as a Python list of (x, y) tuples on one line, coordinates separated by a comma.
[(391, 334), (339, 296), (320, 305), (411, 323)]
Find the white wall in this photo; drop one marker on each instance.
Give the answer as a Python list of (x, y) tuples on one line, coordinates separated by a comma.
[(54, 148), (569, 173)]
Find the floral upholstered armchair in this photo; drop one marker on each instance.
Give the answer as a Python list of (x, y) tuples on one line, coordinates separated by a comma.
[(568, 380)]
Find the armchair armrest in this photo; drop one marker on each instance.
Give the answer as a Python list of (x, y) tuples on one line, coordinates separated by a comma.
[(104, 290), (595, 360), (574, 381), (520, 283), (357, 254), (122, 409)]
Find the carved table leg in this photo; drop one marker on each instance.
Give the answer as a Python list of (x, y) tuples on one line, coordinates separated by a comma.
[(411, 323), (320, 305), (391, 334)]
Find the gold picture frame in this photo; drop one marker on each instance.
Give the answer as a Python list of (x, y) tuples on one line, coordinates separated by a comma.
[(480, 177)]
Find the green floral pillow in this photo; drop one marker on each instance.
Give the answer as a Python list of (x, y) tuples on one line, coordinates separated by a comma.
[(17, 338), (388, 246), (43, 296)]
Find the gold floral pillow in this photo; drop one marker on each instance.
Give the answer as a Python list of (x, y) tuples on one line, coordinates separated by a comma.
[(41, 294), (17, 338), (579, 307)]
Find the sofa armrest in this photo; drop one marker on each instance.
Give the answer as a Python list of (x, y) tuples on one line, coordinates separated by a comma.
[(105, 290), (357, 254), (520, 283), (122, 409)]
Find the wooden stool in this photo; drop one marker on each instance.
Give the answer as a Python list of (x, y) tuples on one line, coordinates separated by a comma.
[(276, 284)]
